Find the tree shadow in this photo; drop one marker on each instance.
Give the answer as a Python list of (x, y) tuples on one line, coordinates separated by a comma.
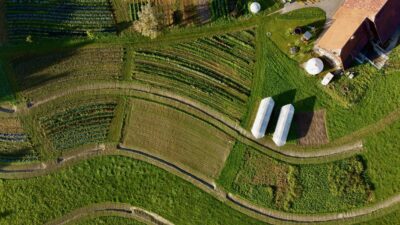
[(123, 26), (302, 119)]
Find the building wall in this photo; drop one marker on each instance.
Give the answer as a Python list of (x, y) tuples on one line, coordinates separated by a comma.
[(353, 46), (387, 21)]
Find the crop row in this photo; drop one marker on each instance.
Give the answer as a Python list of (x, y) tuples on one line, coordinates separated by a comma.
[(208, 93), (85, 124), (87, 63), (220, 8), (8, 137), (217, 71), (51, 18), (135, 9)]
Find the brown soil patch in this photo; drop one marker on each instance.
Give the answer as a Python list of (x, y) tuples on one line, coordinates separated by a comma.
[(10, 125), (311, 128), (3, 25)]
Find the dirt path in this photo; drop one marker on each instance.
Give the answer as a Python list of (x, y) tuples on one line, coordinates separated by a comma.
[(350, 146), (329, 6), (111, 209), (235, 202)]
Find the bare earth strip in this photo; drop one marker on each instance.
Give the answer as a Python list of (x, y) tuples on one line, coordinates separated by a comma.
[(231, 200), (311, 128), (111, 209)]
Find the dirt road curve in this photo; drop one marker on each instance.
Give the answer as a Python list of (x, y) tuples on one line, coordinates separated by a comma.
[(111, 209), (233, 201)]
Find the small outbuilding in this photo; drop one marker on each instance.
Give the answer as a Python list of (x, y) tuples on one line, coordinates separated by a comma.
[(314, 66), (283, 125), (262, 118), (327, 79), (255, 7), (307, 36)]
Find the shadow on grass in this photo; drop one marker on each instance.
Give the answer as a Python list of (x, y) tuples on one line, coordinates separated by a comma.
[(302, 120), (5, 213)]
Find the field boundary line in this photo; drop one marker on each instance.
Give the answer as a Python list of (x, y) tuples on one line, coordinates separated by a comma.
[(111, 209)]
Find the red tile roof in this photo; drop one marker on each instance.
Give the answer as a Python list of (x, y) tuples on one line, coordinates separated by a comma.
[(347, 20)]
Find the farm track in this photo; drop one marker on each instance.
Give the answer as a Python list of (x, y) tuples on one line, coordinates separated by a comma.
[(341, 147), (111, 209), (237, 203)]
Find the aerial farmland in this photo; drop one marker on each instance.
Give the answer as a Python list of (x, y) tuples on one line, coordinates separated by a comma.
[(201, 112)]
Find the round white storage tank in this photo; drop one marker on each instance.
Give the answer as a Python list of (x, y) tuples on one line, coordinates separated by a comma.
[(314, 66), (255, 7)]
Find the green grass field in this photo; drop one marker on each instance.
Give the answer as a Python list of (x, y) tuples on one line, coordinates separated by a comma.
[(128, 180), (177, 137)]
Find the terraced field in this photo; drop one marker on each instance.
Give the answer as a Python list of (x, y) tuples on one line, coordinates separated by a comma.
[(216, 71), (153, 128), (54, 18), (83, 64), (82, 125)]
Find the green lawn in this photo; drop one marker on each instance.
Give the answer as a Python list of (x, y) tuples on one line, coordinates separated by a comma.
[(112, 179), (382, 156), (110, 221)]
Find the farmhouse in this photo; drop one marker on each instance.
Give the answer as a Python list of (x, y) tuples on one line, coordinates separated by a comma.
[(283, 125), (262, 117), (355, 24)]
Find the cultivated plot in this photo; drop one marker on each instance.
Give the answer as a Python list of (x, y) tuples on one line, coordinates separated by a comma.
[(176, 137), (81, 64), (58, 18), (14, 142), (216, 71)]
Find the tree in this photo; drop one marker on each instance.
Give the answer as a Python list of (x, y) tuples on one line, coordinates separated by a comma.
[(149, 23)]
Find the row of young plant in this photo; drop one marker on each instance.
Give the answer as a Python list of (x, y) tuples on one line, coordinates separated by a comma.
[(89, 123), (176, 81), (93, 63), (228, 51), (217, 71), (58, 18), (135, 8), (220, 8)]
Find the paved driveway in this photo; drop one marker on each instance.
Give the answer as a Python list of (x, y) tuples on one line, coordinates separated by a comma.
[(329, 6)]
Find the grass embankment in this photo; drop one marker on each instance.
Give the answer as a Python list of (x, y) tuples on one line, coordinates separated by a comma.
[(330, 187), (383, 159), (177, 137), (110, 220), (112, 179)]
